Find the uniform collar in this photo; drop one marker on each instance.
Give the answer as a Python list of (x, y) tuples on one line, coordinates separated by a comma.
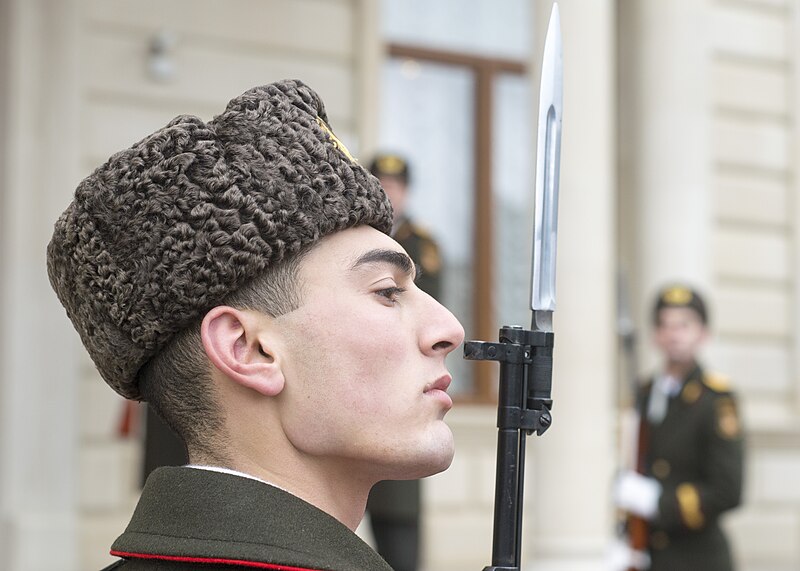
[(694, 374), (222, 470), (202, 516)]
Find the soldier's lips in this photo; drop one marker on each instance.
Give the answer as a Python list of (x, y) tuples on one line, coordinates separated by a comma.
[(438, 390)]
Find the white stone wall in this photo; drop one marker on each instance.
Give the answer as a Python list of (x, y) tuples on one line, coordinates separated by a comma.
[(755, 198), (732, 227), (38, 420), (755, 195)]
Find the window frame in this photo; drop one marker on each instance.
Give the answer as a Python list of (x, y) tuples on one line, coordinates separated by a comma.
[(485, 71)]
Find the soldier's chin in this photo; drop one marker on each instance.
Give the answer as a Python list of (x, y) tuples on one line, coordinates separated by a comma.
[(434, 458), (429, 469), (445, 464), (437, 459)]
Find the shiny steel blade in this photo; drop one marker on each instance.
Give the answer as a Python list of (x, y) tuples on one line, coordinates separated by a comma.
[(548, 159)]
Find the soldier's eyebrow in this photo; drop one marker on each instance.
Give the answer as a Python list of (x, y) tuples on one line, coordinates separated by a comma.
[(394, 258)]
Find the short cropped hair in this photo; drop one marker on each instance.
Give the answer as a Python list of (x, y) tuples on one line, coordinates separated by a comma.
[(177, 381)]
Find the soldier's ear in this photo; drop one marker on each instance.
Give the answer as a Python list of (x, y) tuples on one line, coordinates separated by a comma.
[(231, 340)]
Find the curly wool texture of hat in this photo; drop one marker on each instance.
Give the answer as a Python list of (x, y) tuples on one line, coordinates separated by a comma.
[(163, 231)]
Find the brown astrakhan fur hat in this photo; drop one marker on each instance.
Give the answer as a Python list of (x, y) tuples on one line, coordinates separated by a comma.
[(166, 229)]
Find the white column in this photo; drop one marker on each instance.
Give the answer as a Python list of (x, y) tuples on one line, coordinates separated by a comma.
[(573, 462), (665, 151), (38, 349)]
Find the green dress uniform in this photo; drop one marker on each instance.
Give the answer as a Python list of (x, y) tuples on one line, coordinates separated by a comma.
[(696, 453), (394, 505), (191, 519)]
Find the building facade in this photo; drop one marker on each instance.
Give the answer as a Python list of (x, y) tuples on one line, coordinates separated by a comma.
[(678, 160)]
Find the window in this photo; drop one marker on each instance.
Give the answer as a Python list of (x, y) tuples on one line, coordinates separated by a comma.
[(463, 119)]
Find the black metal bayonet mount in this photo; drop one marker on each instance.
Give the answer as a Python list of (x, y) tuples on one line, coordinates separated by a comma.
[(524, 404)]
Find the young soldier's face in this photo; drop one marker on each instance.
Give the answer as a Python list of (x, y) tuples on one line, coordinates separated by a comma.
[(364, 361), (680, 334)]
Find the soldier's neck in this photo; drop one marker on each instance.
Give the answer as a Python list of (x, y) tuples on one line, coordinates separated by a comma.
[(679, 370)]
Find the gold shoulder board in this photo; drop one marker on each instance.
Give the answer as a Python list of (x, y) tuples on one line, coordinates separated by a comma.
[(717, 381)]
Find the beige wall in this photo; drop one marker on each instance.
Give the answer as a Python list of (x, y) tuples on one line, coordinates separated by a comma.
[(708, 114), (755, 194), (37, 351), (754, 191)]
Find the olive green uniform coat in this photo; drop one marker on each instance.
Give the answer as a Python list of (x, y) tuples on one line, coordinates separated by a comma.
[(696, 453), (191, 519)]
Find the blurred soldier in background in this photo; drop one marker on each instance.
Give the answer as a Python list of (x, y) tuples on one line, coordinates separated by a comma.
[(394, 505), (393, 172), (690, 451)]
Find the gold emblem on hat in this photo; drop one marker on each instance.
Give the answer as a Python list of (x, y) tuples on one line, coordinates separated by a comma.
[(390, 164), (335, 140), (677, 295)]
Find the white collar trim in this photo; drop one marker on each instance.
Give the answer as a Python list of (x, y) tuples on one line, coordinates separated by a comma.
[(222, 470)]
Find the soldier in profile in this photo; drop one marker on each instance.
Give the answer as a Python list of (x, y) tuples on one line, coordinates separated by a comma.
[(691, 445), (238, 275)]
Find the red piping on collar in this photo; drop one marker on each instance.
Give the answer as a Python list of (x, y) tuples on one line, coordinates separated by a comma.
[(239, 562)]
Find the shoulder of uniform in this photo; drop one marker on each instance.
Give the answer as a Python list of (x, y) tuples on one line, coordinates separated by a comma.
[(717, 382), (114, 566)]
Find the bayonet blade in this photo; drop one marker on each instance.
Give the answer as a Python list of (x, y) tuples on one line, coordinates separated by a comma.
[(548, 160)]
